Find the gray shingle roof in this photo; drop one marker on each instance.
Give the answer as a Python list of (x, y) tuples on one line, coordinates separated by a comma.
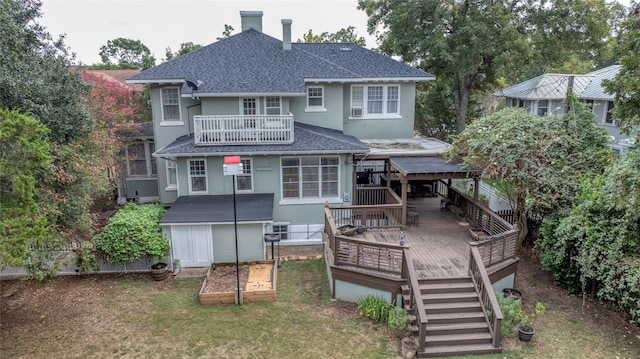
[(554, 86), (215, 209), (308, 139), (253, 62)]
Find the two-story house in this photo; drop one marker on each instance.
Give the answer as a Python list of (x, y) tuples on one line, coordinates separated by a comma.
[(544, 95), (295, 113)]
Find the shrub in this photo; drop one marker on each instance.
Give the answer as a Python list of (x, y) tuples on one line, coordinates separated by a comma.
[(511, 314), (399, 322), (374, 308), (132, 233)]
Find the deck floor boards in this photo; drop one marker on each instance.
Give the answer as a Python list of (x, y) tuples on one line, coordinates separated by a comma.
[(439, 244)]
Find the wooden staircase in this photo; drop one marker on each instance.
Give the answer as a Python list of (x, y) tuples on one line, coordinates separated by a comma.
[(456, 321)]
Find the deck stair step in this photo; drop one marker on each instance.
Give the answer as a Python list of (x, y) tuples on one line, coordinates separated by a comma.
[(456, 323)]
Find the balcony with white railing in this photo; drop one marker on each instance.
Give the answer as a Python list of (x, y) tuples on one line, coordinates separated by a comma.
[(243, 130)]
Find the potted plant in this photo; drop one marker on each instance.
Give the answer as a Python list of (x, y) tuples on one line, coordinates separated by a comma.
[(525, 328)]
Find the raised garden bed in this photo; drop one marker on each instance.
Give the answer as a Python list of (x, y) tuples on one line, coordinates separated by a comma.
[(257, 281), (479, 234)]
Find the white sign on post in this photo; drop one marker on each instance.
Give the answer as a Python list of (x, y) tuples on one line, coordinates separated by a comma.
[(232, 166)]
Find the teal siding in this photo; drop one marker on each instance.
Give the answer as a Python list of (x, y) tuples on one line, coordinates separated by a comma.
[(250, 243)]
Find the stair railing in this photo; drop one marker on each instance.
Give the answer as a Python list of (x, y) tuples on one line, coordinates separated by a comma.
[(415, 296), (487, 296)]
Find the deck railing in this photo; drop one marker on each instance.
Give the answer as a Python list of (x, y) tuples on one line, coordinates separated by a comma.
[(243, 129), (381, 216), (500, 248), (359, 254), (372, 196), (415, 297), (487, 296), (478, 214)]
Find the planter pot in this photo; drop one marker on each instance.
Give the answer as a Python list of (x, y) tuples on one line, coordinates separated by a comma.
[(526, 332), (159, 271), (512, 293), (409, 347)]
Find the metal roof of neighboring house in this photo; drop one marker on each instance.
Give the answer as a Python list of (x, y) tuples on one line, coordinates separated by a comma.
[(253, 62), (250, 207), (307, 139), (554, 86)]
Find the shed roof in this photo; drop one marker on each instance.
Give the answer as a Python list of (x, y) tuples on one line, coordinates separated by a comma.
[(429, 168), (250, 207)]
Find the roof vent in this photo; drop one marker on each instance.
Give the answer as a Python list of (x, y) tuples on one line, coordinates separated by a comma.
[(345, 49)]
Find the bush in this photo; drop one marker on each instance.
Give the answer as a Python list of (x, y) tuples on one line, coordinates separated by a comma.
[(132, 233), (374, 308), (511, 314), (399, 322)]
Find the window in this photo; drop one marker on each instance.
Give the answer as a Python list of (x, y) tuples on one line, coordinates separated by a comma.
[(197, 176), (272, 105), (609, 116), (140, 163), (310, 177), (375, 100), (543, 107), (281, 229), (249, 106), (172, 179), (170, 97), (315, 97), (244, 181)]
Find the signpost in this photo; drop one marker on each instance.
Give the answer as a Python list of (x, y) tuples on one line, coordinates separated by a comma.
[(233, 166)]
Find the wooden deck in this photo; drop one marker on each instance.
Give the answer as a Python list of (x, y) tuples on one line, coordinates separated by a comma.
[(439, 243)]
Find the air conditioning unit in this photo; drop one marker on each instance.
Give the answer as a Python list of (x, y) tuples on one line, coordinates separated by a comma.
[(356, 111)]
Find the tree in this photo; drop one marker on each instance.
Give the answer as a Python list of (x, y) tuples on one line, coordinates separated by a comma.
[(185, 48), (596, 241), (228, 29), (35, 76), (24, 158), (343, 35), (626, 84), (126, 54), (539, 159), (472, 45)]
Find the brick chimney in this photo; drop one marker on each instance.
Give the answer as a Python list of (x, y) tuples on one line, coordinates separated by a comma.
[(286, 34), (251, 20)]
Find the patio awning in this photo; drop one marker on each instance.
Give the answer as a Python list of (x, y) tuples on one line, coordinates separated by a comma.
[(429, 168), (250, 207)]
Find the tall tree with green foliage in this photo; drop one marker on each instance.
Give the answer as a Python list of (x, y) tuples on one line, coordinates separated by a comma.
[(473, 44), (122, 53), (626, 84), (539, 159), (35, 75), (343, 35), (185, 48), (24, 159)]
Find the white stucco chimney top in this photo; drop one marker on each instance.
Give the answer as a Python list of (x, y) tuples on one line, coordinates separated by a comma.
[(251, 20), (286, 34)]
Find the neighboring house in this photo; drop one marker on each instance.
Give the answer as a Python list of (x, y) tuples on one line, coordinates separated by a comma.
[(295, 113), (136, 176), (544, 95)]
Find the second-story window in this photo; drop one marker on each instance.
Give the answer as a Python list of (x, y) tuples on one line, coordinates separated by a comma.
[(375, 101), (272, 105), (244, 181), (310, 177), (170, 98), (315, 98), (197, 176), (172, 178)]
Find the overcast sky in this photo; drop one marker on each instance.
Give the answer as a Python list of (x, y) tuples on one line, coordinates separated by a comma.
[(89, 24)]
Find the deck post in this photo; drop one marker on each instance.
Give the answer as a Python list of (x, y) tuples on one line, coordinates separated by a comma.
[(404, 182)]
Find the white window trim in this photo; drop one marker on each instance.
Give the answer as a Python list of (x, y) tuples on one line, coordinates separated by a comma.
[(164, 122), (171, 164), (241, 104), (147, 160), (244, 175), (365, 100), (206, 177), (280, 224), (321, 108), (279, 105), (310, 200)]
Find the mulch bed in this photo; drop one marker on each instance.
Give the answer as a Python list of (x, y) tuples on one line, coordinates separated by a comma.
[(223, 279)]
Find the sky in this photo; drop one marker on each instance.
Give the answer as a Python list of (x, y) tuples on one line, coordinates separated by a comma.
[(89, 24)]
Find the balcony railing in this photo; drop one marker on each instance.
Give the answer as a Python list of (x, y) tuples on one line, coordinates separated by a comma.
[(243, 130)]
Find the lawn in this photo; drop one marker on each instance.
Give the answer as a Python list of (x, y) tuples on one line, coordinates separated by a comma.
[(133, 316)]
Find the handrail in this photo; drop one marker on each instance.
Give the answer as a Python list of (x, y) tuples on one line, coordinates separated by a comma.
[(487, 296), (498, 249), (380, 257), (409, 272)]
